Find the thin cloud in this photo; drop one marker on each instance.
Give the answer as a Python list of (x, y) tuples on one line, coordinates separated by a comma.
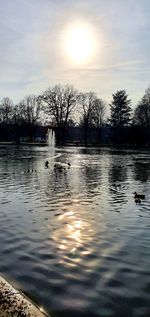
[(31, 56)]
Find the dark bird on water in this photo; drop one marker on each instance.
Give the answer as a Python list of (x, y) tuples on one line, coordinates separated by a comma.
[(47, 163), (137, 200), (139, 196), (58, 167)]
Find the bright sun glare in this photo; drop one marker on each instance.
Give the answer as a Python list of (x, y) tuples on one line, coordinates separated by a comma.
[(80, 43)]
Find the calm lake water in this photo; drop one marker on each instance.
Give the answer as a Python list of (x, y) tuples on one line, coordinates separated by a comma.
[(73, 239)]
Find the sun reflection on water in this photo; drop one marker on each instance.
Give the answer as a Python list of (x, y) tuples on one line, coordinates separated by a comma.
[(72, 234)]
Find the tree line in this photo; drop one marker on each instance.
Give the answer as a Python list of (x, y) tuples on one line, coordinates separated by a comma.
[(62, 107)]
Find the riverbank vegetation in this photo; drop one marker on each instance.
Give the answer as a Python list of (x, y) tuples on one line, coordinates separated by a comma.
[(77, 118)]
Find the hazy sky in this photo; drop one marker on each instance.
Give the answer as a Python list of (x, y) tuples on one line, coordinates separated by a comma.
[(33, 58)]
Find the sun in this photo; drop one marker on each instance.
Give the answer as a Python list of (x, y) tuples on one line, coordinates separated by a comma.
[(80, 43)]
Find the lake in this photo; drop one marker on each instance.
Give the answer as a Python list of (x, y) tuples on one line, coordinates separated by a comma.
[(73, 238)]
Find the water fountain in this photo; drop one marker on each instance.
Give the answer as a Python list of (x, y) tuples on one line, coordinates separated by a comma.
[(51, 138)]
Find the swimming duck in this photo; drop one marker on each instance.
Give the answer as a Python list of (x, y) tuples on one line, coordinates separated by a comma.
[(140, 196), (58, 167), (137, 200), (47, 163)]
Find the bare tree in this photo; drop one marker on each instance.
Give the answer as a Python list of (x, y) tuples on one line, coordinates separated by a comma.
[(87, 102), (28, 112), (6, 110), (29, 109), (142, 111), (98, 112), (15, 114), (59, 104)]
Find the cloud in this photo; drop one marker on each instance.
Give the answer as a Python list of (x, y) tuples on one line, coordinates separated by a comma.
[(32, 58)]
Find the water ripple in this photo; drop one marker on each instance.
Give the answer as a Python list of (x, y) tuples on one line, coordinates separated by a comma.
[(75, 241)]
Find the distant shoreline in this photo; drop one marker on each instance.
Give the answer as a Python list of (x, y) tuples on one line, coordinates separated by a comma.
[(24, 143), (110, 146)]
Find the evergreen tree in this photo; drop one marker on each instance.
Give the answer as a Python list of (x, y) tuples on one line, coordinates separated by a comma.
[(120, 108)]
